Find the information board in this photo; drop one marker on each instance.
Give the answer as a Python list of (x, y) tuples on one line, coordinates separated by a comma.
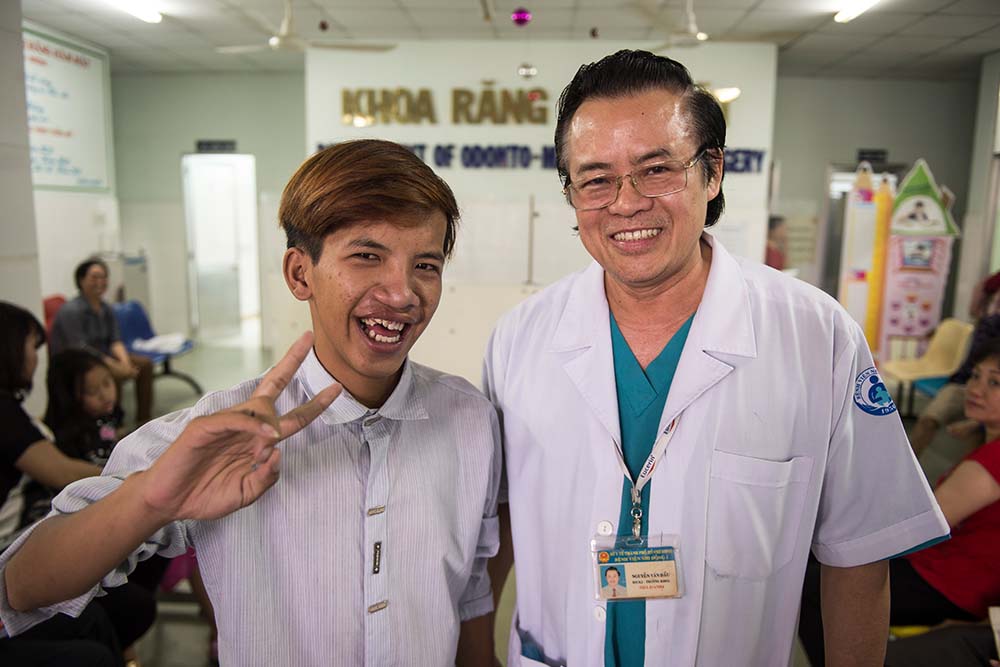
[(68, 121)]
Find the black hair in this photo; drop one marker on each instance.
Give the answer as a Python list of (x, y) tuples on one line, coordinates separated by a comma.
[(988, 349), (774, 221), (64, 382), (628, 73), (16, 324), (81, 269), (608, 569)]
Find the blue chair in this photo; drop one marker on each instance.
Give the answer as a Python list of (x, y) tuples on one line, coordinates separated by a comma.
[(930, 386), (134, 325)]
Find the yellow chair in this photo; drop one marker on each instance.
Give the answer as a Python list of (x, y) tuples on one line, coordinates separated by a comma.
[(944, 356), (904, 631)]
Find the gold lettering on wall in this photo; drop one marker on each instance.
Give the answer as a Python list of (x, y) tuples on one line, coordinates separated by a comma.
[(388, 106), (368, 106)]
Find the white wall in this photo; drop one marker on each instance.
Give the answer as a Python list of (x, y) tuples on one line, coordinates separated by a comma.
[(490, 268), (71, 227), (495, 201), (819, 121), (19, 271), (158, 118)]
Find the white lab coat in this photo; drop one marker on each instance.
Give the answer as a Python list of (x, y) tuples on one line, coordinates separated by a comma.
[(772, 456)]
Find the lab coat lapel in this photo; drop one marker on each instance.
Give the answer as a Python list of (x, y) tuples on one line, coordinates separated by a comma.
[(722, 327), (583, 338)]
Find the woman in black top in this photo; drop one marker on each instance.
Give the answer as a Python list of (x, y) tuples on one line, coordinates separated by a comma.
[(27, 451), (31, 468)]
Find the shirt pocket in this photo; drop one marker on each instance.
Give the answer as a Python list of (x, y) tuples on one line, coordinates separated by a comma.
[(754, 510)]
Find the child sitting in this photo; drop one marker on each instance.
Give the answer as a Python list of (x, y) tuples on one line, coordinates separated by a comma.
[(83, 409)]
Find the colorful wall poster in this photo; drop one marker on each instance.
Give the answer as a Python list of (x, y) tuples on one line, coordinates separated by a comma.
[(922, 234)]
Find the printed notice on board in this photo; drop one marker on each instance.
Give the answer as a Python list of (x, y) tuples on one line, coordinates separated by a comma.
[(67, 115)]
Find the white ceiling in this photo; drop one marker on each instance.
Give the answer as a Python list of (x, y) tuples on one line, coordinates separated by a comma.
[(928, 39)]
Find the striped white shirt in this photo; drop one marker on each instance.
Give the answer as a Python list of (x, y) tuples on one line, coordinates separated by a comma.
[(369, 550)]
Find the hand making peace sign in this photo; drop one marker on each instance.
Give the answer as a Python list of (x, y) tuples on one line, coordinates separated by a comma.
[(225, 461)]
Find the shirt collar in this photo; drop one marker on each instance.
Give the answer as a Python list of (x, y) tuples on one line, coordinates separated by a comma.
[(404, 403)]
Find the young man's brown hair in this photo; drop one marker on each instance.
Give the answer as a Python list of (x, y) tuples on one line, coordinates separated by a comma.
[(365, 179)]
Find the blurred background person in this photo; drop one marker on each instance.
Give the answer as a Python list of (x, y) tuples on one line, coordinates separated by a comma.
[(957, 579), (777, 242), (88, 322)]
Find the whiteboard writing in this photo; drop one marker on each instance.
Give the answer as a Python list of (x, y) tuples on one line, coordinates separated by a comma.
[(67, 113)]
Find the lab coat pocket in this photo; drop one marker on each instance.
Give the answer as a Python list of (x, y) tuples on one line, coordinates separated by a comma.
[(754, 510)]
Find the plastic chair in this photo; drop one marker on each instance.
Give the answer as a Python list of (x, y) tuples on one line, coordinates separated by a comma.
[(944, 356), (904, 631), (134, 325), (930, 386), (51, 306)]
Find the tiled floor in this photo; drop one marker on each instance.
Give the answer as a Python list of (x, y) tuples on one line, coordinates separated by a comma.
[(180, 638)]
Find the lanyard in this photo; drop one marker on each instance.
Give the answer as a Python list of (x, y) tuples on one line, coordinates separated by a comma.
[(659, 447)]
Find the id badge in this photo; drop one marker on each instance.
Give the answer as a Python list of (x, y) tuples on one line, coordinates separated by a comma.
[(633, 568)]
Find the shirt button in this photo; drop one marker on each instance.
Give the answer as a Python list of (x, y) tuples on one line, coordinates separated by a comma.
[(604, 528), (599, 613)]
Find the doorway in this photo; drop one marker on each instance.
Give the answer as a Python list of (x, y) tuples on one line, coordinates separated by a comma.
[(220, 207)]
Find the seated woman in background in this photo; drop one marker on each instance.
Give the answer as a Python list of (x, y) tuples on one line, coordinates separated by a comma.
[(957, 579), (27, 451), (88, 322), (32, 467)]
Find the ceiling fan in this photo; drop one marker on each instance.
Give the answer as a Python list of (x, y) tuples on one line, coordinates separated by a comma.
[(685, 36), (286, 39)]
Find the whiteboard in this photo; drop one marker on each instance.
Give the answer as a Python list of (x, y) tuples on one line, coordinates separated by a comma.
[(66, 86)]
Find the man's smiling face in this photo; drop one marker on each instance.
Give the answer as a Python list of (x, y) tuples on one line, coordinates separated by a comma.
[(371, 293)]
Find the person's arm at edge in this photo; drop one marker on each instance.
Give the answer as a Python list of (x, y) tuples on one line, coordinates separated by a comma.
[(220, 463), (475, 642), (855, 607), (49, 568), (43, 462), (968, 489), (499, 566)]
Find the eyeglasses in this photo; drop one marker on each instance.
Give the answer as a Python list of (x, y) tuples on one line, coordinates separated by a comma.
[(658, 179)]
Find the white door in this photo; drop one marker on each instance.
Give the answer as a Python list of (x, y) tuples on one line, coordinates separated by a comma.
[(220, 202)]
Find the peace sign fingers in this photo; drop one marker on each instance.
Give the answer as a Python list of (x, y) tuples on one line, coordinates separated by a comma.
[(298, 418), (276, 379)]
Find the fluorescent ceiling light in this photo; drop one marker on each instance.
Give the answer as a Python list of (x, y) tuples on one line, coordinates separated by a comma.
[(853, 9), (141, 9)]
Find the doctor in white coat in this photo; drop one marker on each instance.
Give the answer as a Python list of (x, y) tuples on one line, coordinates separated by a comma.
[(784, 438)]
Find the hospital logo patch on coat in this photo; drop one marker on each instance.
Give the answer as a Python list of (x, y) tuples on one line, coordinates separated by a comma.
[(871, 395)]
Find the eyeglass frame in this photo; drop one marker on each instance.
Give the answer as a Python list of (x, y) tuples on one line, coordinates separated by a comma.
[(621, 180)]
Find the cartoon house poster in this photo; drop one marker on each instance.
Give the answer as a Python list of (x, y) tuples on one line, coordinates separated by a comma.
[(917, 261)]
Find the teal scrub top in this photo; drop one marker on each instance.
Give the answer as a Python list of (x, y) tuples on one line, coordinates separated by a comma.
[(641, 397)]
